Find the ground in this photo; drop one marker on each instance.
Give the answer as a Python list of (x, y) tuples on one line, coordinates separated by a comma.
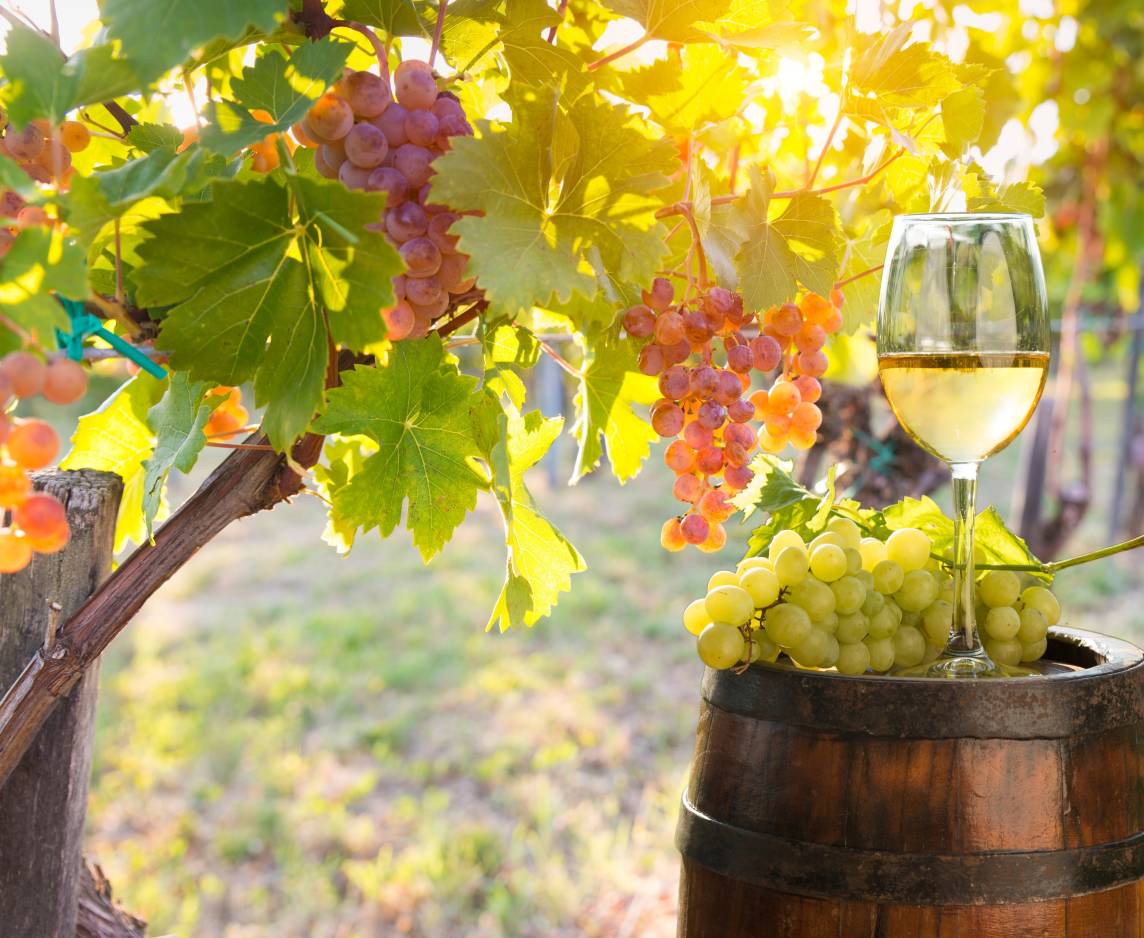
[(296, 744)]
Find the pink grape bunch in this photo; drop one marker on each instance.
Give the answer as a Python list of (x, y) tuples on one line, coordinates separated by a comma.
[(704, 351), (372, 138)]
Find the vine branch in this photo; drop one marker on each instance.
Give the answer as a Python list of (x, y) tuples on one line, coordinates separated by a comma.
[(438, 30), (619, 53)]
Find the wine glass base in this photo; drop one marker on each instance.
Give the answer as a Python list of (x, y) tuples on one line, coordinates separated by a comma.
[(962, 666)]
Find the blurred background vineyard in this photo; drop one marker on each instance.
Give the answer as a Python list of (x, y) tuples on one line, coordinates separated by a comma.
[(292, 743)]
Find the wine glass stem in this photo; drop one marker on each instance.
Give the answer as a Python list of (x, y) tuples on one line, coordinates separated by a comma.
[(963, 639)]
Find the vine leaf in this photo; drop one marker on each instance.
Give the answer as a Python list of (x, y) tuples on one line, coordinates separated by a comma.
[(396, 17), (962, 118), (422, 414), (802, 245), (177, 422), (157, 37), (609, 387), (551, 227), (282, 88), (708, 87), (117, 438), (672, 20), (39, 261), (541, 560), (900, 75), (252, 284)]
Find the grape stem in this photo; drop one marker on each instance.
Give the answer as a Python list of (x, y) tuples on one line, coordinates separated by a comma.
[(559, 359), (550, 36), (25, 336), (826, 143), (379, 49), (696, 242), (438, 30), (619, 53), (860, 275)]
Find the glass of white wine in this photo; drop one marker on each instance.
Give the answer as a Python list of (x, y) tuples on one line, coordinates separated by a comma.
[(963, 351)]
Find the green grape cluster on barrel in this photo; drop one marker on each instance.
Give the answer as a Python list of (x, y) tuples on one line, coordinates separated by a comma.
[(858, 604)]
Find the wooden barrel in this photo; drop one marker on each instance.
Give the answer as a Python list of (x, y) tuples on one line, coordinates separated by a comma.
[(824, 806)]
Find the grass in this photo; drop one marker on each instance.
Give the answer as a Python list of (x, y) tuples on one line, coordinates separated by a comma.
[(296, 744)]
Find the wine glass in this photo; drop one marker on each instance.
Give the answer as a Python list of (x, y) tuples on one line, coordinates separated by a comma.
[(963, 352)]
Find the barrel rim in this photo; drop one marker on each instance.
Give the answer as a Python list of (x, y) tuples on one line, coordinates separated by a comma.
[(838, 872), (1108, 695)]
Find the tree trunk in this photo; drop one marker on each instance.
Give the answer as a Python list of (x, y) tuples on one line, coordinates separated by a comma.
[(43, 805)]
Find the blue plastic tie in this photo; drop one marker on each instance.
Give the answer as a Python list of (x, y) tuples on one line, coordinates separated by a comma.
[(84, 325)]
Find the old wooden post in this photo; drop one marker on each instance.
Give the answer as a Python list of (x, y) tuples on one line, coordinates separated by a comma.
[(43, 804)]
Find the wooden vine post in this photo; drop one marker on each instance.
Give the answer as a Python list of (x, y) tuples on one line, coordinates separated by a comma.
[(43, 804)]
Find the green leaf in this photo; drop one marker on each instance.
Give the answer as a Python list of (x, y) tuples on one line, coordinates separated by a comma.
[(898, 75), (549, 229), (396, 17), (252, 288), (342, 459), (177, 423), (983, 195), (863, 254), (802, 245), (283, 88), (530, 57), (780, 37), (609, 388), (43, 83), (117, 438), (507, 347), (41, 260), (962, 117), (672, 20), (708, 86), (157, 37), (148, 137), (789, 505), (421, 412), (541, 560)]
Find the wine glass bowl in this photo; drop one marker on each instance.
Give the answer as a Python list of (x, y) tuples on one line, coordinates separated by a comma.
[(963, 353)]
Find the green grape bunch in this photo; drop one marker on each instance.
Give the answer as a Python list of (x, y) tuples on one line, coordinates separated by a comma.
[(858, 604)]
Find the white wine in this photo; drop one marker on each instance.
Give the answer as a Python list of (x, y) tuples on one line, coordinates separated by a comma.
[(963, 406)]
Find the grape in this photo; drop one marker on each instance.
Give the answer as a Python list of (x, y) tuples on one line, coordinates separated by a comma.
[(849, 594), (715, 540), (32, 444), (674, 383), (806, 417), (728, 388), (909, 647), (695, 617), (366, 94), (453, 273), (1033, 626), (784, 538), (65, 381), (853, 658), (783, 397), (325, 168), (704, 381), (1001, 622), (848, 533), (422, 128), (651, 361), (423, 291), (722, 578), (739, 359), (695, 527), (399, 320), (31, 216), (828, 562), (866, 578), (736, 478), (392, 124), (421, 256), (740, 412), (25, 143), (735, 454), (852, 627), (808, 388), (873, 552), (669, 328), (679, 457), (413, 85), (1004, 651), (1039, 598), (853, 561), (330, 117), (303, 135), (810, 338), (406, 221), (10, 203), (15, 553), (917, 591), (762, 648), (791, 565), (671, 536), (40, 515), (814, 596), (826, 537), (353, 176), (439, 230), (639, 322), (731, 604), (714, 505), (667, 418), (937, 621), (366, 146), (828, 623), (999, 588), (765, 353), (873, 603), (787, 319), (674, 354), (447, 106), (1031, 651), (74, 135), (909, 547), (761, 584), (883, 623), (25, 372), (695, 327), (813, 650), (881, 651), (14, 486), (786, 624), (413, 162), (711, 415), (802, 439), (660, 295), (813, 364), (753, 563), (888, 577)]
